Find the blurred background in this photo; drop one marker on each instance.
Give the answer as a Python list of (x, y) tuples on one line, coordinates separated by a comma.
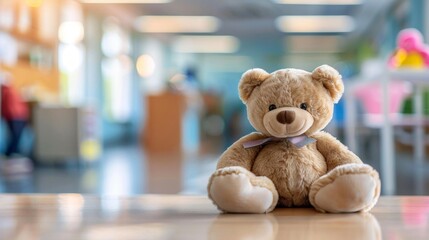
[(140, 96)]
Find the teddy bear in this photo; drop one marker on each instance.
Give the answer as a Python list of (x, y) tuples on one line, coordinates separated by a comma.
[(290, 161)]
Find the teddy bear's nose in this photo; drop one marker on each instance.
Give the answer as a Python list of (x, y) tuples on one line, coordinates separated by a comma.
[(286, 117)]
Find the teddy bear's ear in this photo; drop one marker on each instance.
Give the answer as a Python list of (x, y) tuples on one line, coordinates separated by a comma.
[(249, 81), (331, 80)]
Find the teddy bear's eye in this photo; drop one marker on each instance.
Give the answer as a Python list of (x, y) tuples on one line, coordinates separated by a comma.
[(272, 107), (303, 106)]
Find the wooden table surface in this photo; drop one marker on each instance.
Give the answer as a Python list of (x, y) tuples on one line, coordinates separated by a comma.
[(75, 216)]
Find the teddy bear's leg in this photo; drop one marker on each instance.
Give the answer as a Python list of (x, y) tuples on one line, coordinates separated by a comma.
[(346, 188), (237, 190)]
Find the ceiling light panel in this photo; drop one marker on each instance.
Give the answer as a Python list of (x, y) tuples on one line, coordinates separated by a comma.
[(206, 44), (315, 24), (319, 2), (177, 24), (125, 1)]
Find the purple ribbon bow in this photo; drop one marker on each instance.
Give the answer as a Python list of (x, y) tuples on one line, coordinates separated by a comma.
[(298, 141)]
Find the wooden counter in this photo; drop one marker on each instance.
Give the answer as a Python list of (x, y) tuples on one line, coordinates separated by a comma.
[(75, 216), (163, 130)]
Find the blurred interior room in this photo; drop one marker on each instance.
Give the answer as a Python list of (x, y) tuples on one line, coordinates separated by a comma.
[(140, 96)]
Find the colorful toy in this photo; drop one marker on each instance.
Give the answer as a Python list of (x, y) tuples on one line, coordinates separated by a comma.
[(411, 51), (290, 161)]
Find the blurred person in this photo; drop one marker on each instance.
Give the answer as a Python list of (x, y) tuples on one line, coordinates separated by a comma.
[(15, 112)]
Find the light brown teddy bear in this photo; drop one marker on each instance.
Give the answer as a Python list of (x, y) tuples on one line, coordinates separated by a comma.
[(290, 162)]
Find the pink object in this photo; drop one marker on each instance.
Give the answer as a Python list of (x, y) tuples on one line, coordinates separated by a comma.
[(13, 106), (415, 212), (426, 55), (371, 96), (409, 41)]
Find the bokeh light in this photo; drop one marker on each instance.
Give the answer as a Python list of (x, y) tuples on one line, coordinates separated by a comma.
[(71, 32), (145, 65)]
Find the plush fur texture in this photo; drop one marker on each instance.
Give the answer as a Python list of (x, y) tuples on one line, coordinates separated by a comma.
[(288, 103)]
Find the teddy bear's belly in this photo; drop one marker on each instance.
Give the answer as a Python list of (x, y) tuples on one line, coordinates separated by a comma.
[(292, 170)]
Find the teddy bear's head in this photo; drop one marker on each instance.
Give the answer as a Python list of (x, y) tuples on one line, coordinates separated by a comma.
[(290, 102)]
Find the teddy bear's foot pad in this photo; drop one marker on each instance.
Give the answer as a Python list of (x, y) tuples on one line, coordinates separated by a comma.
[(236, 190), (347, 188)]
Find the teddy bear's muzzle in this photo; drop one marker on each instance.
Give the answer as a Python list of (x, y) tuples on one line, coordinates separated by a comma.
[(287, 122)]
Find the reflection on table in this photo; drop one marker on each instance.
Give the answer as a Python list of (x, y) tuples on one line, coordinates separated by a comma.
[(75, 216)]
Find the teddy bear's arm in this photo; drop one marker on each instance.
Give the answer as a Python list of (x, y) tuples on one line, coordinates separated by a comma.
[(237, 155), (334, 151)]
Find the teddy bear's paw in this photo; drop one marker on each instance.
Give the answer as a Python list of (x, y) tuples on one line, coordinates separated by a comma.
[(237, 190), (347, 188)]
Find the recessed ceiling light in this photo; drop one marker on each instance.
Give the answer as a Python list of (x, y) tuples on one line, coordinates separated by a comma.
[(320, 2), (125, 1), (177, 24), (206, 44), (145, 65), (71, 32), (315, 24)]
